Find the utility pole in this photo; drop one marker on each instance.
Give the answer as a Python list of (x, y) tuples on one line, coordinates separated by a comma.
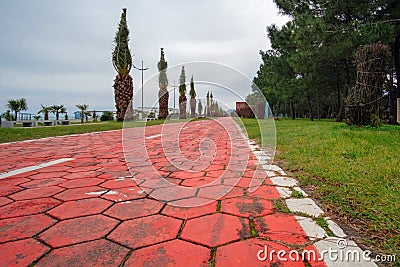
[(141, 69), (174, 86)]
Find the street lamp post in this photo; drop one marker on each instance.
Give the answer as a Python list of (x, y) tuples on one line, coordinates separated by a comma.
[(174, 86), (141, 69)]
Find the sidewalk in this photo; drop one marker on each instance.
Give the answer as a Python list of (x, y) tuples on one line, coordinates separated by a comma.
[(72, 201)]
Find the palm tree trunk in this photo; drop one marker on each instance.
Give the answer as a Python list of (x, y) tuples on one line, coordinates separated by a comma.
[(123, 93), (163, 97), (193, 107), (182, 107)]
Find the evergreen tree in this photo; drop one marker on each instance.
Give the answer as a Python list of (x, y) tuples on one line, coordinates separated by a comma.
[(192, 99), (163, 94), (182, 94), (200, 108), (122, 62)]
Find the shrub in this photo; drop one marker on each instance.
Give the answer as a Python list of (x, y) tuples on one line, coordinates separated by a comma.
[(107, 116)]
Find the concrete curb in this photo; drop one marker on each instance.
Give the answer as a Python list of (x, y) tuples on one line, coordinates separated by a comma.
[(348, 252)]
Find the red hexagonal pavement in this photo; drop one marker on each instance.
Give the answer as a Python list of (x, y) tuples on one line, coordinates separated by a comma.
[(254, 252), (78, 230), (23, 227), (146, 231), (81, 207), (134, 209), (280, 227), (22, 252), (171, 253), (247, 206), (27, 207), (216, 229), (95, 253)]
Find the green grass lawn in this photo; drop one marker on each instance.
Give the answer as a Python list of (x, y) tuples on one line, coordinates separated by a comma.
[(354, 173), (20, 134)]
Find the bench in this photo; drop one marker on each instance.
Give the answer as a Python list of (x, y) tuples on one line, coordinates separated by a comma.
[(29, 124), (65, 122), (50, 123)]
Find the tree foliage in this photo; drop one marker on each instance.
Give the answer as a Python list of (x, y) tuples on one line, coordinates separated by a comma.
[(17, 105), (310, 69), (163, 94), (182, 92), (121, 54)]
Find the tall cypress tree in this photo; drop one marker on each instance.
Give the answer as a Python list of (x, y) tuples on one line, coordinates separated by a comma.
[(182, 96), (122, 62), (200, 108), (192, 93), (163, 94)]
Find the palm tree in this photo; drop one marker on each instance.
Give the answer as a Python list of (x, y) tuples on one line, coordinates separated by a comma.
[(192, 94), (45, 110), (17, 105), (163, 94), (182, 96), (57, 109), (37, 117), (122, 62), (83, 108)]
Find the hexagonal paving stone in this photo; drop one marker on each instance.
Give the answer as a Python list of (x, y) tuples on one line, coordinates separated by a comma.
[(247, 206), (198, 181), (190, 212), (23, 227), (125, 194), (95, 253), (78, 230), (14, 180), (246, 252), (4, 201), (119, 183), (280, 227), (216, 229), (173, 193), (77, 208), (84, 182), (38, 192), (171, 253), (146, 231), (43, 183), (9, 189), (235, 192), (266, 192), (134, 209), (81, 174), (215, 192), (40, 176), (81, 193), (27, 207), (22, 252)]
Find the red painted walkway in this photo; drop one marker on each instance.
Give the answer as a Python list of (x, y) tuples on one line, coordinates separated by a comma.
[(90, 211)]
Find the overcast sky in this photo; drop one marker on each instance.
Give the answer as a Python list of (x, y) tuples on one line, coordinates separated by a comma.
[(58, 52)]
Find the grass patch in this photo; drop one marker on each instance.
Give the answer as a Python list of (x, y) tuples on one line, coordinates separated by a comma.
[(354, 172), (280, 206), (324, 224), (296, 194), (28, 133)]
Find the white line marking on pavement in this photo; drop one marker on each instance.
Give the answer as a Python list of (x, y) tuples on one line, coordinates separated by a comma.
[(153, 136), (33, 168)]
